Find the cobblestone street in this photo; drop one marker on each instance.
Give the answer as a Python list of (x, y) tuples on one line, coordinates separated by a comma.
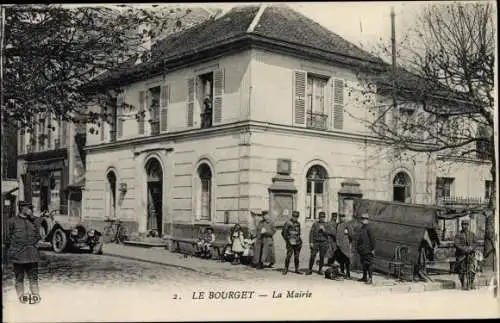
[(101, 270), (86, 287)]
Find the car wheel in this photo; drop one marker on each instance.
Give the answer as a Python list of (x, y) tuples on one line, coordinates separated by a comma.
[(59, 241)]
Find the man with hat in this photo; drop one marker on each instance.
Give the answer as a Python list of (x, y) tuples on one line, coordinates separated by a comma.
[(318, 242), (344, 244), (264, 244), (332, 240), (292, 235), (366, 249), (23, 235), (465, 248)]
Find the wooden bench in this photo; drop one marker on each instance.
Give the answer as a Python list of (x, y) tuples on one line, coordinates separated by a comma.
[(177, 240)]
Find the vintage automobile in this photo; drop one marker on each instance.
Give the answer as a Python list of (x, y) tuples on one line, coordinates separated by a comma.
[(67, 233)]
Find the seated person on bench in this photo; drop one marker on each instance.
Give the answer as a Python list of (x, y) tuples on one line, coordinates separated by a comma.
[(205, 242)]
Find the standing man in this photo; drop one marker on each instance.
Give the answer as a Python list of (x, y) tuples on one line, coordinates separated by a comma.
[(332, 240), (292, 235), (264, 244), (465, 247), (318, 242), (23, 236), (344, 247), (366, 249)]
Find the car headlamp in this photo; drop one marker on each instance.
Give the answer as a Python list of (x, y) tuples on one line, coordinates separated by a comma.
[(74, 232)]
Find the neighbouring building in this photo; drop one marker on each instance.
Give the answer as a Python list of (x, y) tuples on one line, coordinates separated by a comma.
[(250, 110), (51, 164)]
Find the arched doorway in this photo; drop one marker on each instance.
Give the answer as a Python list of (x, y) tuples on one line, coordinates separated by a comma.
[(401, 188), (204, 192), (155, 196), (110, 210), (316, 192)]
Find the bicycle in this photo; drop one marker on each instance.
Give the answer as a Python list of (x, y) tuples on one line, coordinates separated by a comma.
[(114, 232)]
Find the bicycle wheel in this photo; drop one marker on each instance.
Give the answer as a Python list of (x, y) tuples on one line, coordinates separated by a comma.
[(121, 234), (108, 234)]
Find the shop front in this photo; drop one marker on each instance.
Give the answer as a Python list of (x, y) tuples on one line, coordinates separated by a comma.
[(45, 185)]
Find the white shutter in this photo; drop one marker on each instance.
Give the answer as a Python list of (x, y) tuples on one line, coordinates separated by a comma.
[(164, 101), (338, 103), (190, 102), (141, 111), (219, 87), (299, 99)]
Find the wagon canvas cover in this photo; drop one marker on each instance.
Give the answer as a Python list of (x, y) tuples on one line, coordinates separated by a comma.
[(397, 224)]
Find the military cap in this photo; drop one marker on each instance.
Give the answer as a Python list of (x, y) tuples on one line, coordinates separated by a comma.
[(322, 214), (364, 216), (465, 221), (295, 214), (22, 204)]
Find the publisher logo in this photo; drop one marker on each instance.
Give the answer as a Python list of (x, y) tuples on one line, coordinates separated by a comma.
[(30, 299)]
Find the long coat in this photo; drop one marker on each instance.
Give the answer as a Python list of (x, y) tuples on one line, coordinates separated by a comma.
[(22, 237), (344, 238), (331, 230), (366, 242), (264, 243), (464, 240)]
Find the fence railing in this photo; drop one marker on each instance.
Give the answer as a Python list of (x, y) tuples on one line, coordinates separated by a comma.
[(462, 200)]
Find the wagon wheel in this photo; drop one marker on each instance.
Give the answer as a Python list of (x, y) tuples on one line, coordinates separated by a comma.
[(59, 241)]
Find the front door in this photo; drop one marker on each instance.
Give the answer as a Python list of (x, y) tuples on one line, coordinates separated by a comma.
[(155, 221)]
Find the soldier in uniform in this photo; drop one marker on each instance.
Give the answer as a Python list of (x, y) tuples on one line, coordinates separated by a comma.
[(264, 244), (366, 249), (465, 247), (292, 235), (332, 240), (22, 240), (344, 244), (318, 242)]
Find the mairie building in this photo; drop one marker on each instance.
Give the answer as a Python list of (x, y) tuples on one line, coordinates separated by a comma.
[(259, 108)]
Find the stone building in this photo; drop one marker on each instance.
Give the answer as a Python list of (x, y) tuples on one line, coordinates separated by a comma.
[(249, 110)]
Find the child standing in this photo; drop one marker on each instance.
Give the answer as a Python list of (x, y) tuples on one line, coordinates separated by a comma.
[(237, 240)]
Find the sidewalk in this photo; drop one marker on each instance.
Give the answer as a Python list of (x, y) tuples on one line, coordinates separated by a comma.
[(225, 270)]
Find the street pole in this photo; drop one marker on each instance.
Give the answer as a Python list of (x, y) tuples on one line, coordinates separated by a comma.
[(2, 37), (393, 42)]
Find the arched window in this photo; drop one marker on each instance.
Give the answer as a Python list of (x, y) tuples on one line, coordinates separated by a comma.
[(401, 188), (110, 210), (316, 196), (204, 194)]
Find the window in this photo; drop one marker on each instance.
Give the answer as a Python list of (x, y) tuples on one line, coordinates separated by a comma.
[(316, 196), (316, 116), (444, 186), (204, 203), (206, 99), (110, 192), (401, 188), (483, 143), (154, 110), (488, 189)]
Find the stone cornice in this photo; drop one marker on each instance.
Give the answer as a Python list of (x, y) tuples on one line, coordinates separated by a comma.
[(232, 128)]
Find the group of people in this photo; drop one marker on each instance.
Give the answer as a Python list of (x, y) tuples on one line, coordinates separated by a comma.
[(332, 240)]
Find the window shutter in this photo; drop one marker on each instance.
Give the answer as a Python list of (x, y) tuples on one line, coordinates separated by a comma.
[(22, 143), (300, 97), (165, 99), (119, 126), (27, 187), (219, 87), (190, 102), (141, 111), (338, 104), (101, 127)]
